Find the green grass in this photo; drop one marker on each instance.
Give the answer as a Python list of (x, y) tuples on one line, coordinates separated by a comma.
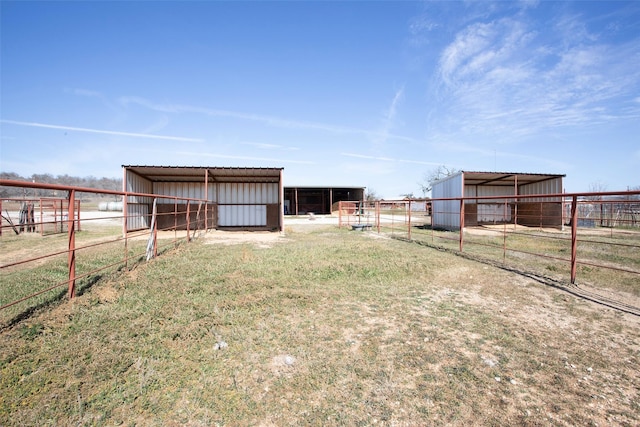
[(328, 327), (602, 259), (93, 263)]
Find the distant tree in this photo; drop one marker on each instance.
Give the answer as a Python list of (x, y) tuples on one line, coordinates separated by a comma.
[(596, 187), (408, 196), (433, 175), (370, 195), (89, 182)]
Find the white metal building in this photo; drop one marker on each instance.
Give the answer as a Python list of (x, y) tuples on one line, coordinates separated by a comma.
[(228, 197), (543, 211)]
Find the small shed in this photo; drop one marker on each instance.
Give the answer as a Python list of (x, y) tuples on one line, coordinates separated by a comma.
[(318, 200), (234, 198), (537, 211)]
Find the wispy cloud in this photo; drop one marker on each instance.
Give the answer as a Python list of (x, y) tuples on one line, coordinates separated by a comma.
[(101, 131), (264, 119), (276, 147), (389, 119), (260, 159), (388, 159), (499, 77)]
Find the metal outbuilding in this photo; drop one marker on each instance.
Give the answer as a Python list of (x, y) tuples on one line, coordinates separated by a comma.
[(545, 211), (236, 198), (302, 200)]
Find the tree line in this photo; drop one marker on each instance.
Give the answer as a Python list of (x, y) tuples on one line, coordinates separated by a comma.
[(73, 181)]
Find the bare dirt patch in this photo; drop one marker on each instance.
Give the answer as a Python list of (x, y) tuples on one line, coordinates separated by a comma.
[(259, 239)]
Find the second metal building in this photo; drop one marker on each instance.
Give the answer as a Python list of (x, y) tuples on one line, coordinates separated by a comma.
[(472, 186), (233, 198)]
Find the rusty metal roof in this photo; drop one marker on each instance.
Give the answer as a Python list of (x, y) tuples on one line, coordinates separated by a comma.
[(198, 173)]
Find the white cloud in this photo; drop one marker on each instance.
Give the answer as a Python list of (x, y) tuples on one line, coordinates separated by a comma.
[(234, 157), (387, 159), (101, 131), (502, 78), (264, 119), (270, 146)]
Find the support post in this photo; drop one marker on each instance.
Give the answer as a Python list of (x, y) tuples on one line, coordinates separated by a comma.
[(206, 198), (461, 224), (409, 221), (155, 229), (188, 223), (504, 233), (72, 244), (78, 210), (55, 223), (574, 238)]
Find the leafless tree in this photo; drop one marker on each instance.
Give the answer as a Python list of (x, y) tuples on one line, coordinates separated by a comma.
[(433, 175), (370, 195), (596, 187)]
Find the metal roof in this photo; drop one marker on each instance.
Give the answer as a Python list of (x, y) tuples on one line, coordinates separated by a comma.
[(325, 187), (197, 173), (506, 178)]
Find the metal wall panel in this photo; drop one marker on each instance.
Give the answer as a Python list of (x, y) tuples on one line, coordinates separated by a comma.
[(137, 184), (552, 186), (489, 191), (446, 213), (242, 215), (494, 212), (137, 216), (247, 193), (191, 190)]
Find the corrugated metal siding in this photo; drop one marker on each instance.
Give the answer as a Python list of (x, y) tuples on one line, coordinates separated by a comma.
[(137, 206), (242, 215), (137, 184), (137, 216), (494, 212), (552, 186), (247, 193), (488, 191), (191, 190), (446, 213)]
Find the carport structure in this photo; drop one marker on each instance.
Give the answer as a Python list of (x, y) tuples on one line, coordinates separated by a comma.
[(235, 198), (301, 200), (497, 197)]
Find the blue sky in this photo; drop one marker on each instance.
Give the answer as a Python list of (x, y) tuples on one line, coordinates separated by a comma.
[(352, 93)]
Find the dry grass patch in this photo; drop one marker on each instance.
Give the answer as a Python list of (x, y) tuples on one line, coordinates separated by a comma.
[(331, 328)]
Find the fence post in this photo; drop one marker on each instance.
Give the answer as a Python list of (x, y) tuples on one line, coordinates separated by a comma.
[(188, 215), (72, 243), (574, 237), (504, 233), (409, 233), (78, 213), (152, 243), (462, 224), (155, 228), (42, 219)]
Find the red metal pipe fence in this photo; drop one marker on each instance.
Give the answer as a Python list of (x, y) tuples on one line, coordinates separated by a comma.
[(598, 231), (16, 268)]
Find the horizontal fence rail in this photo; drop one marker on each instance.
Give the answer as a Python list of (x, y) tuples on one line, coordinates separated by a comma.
[(51, 242), (590, 237)]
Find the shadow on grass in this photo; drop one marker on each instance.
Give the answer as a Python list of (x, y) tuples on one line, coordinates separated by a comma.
[(540, 278)]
